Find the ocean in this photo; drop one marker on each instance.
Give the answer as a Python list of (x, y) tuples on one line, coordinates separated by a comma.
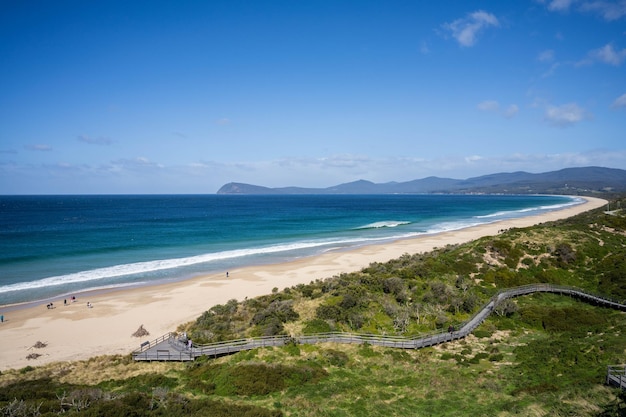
[(54, 246)]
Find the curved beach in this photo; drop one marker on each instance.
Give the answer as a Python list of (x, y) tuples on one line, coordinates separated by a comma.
[(75, 332)]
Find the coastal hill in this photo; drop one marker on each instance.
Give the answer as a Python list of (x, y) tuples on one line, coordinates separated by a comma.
[(571, 181)]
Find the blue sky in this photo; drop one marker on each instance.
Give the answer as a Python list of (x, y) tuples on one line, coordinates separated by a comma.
[(185, 96)]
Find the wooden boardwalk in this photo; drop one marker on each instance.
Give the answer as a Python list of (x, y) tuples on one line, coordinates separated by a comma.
[(170, 347)]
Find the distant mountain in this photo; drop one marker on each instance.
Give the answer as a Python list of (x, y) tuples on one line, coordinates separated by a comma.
[(588, 180)]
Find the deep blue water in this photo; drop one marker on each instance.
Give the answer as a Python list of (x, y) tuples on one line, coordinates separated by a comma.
[(57, 245)]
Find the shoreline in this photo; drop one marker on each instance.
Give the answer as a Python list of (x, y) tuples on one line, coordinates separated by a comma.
[(76, 332)]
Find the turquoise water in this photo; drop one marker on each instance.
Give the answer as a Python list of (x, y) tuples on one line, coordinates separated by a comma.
[(58, 245)]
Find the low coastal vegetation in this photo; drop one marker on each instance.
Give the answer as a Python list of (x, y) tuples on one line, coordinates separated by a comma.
[(540, 354)]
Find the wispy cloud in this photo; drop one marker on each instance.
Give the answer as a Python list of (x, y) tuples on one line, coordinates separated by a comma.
[(39, 147), (494, 106), (550, 72), (608, 10), (609, 55), (95, 140), (558, 5), (134, 164), (466, 30), (223, 121), (546, 56), (489, 105), (511, 111), (141, 175), (619, 102), (565, 115)]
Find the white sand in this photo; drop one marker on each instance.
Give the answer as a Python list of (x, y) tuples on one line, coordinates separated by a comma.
[(75, 332)]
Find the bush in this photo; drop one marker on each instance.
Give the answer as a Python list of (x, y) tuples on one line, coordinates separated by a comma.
[(498, 357), (262, 379), (335, 357), (481, 334), (316, 326)]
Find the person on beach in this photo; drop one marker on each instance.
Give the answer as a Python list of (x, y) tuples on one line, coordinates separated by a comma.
[(1, 318), (226, 274), (89, 305)]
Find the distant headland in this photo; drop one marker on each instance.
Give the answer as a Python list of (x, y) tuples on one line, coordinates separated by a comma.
[(570, 181)]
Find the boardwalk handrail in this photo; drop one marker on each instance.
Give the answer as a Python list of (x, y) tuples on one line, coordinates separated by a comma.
[(616, 375), (148, 344), (424, 340)]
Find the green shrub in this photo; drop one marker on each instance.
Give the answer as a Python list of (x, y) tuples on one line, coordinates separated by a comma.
[(26, 369), (366, 351), (398, 355), (482, 334), (335, 357), (478, 357), (261, 378), (292, 349), (316, 326)]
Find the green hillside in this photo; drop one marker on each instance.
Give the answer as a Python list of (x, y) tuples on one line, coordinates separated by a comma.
[(539, 355)]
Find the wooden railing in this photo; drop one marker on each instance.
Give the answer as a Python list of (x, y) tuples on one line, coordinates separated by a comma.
[(176, 350), (616, 375)]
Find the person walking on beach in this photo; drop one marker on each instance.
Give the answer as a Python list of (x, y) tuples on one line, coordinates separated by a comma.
[(1, 318)]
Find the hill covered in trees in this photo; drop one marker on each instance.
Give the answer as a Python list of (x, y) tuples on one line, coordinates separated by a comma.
[(570, 181), (538, 355)]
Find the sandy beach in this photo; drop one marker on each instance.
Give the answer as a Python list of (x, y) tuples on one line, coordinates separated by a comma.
[(75, 332)]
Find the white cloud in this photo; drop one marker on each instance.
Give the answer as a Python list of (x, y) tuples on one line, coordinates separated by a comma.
[(619, 102), (560, 5), (511, 111), (494, 106), (489, 105), (95, 141), (135, 164), (473, 158), (609, 55), (565, 115), (39, 147), (140, 175), (550, 72), (608, 10), (466, 30), (546, 56)]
